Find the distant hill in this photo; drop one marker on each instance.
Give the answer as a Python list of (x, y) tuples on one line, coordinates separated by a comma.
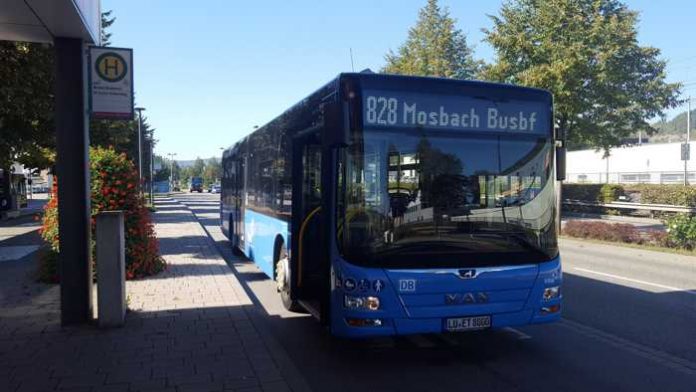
[(188, 163), (674, 130)]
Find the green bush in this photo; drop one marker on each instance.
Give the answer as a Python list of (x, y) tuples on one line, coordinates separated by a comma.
[(601, 193), (584, 192), (681, 231), (673, 194), (610, 192)]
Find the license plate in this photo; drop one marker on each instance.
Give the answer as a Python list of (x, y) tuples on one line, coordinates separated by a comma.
[(467, 323)]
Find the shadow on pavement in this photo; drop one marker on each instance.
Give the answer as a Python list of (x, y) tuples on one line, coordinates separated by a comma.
[(556, 357)]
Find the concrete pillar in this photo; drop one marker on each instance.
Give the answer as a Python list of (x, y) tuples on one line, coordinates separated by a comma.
[(72, 166), (111, 269)]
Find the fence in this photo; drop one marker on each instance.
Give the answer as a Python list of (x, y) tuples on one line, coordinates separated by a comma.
[(645, 177), (633, 206)]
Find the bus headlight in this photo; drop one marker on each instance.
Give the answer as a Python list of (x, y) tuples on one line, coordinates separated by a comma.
[(368, 303), (551, 293)]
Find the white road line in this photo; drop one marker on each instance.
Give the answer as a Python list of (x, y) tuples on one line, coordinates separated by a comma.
[(662, 286), (520, 335), (669, 360)]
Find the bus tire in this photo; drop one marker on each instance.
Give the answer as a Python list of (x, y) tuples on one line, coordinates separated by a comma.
[(282, 278)]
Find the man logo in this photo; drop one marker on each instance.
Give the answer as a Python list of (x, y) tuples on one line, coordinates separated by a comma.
[(466, 298), (467, 273), (481, 297)]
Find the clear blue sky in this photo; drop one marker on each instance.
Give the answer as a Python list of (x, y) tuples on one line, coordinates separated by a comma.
[(208, 71)]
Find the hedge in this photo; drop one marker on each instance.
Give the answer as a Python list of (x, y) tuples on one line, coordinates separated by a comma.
[(673, 194), (602, 193)]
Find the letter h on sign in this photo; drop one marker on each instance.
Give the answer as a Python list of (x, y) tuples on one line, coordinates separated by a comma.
[(111, 68)]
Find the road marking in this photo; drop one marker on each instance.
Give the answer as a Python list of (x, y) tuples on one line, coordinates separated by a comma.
[(645, 352), (662, 286), (520, 335)]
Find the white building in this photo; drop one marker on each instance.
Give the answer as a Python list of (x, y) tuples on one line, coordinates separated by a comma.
[(647, 163)]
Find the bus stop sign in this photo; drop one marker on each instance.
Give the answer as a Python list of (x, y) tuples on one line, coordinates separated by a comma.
[(111, 82)]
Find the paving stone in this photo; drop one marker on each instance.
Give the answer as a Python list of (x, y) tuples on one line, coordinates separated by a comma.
[(186, 328)]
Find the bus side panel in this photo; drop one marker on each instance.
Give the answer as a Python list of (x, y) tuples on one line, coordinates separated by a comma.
[(260, 233)]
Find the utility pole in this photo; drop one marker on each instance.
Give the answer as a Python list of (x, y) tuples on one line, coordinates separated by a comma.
[(688, 137), (140, 149), (152, 165), (686, 148), (171, 171)]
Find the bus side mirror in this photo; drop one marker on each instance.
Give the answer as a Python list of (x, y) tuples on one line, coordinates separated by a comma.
[(560, 163), (336, 124)]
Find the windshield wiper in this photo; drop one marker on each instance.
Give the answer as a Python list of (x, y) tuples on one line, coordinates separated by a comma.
[(519, 238), (429, 246)]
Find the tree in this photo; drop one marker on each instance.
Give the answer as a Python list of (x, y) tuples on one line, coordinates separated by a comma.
[(26, 107), (197, 168), (434, 47), (26, 104), (586, 53), (106, 22), (212, 171)]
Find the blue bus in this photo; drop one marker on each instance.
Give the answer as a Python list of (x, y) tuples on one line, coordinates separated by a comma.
[(375, 205)]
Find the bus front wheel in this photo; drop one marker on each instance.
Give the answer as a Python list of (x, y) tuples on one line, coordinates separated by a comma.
[(283, 281)]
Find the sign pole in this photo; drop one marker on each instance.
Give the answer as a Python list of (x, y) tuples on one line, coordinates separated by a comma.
[(140, 149)]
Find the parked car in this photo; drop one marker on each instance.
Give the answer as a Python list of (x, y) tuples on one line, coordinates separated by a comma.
[(215, 188)]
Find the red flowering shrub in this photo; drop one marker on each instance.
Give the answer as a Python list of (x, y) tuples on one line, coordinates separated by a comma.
[(114, 181), (660, 238), (618, 232)]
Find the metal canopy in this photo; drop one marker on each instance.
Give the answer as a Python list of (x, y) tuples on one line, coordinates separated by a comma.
[(43, 20)]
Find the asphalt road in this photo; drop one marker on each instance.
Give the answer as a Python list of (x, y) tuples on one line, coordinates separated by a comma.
[(629, 323)]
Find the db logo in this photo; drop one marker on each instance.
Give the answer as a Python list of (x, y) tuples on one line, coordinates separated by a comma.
[(407, 285)]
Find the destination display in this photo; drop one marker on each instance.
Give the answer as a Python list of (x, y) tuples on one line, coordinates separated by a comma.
[(406, 109)]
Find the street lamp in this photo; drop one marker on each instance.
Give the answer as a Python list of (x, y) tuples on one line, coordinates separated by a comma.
[(171, 170), (140, 147)]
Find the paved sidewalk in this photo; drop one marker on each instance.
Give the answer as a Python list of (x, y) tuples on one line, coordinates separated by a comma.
[(188, 329)]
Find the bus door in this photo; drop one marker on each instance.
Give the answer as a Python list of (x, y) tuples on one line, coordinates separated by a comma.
[(309, 237)]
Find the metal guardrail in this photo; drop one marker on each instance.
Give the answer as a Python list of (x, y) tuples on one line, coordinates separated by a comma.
[(632, 206)]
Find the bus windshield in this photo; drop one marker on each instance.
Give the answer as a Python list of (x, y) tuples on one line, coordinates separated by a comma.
[(419, 198)]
